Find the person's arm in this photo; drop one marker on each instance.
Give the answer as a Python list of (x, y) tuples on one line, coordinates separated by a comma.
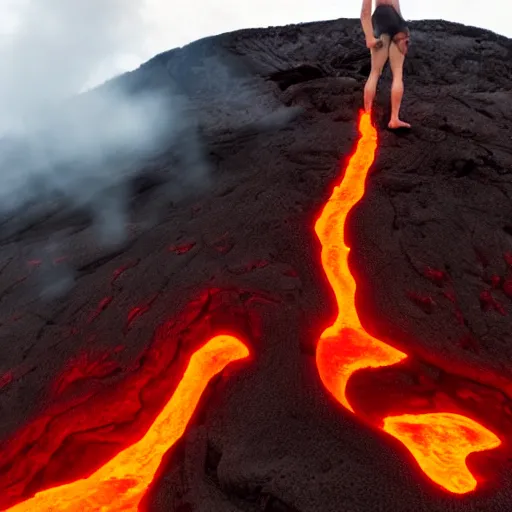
[(366, 20), (396, 5)]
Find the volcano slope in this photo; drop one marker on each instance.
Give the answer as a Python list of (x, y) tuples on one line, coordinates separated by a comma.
[(85, 374)]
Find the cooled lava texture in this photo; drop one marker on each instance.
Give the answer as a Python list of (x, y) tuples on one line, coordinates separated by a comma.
[(84, 375)]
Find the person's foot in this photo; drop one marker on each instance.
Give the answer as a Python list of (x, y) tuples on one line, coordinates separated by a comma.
[(394, 124)]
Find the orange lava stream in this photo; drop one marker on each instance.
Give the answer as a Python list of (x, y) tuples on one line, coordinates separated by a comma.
[(457, 436), (121, 483), (440, 442)]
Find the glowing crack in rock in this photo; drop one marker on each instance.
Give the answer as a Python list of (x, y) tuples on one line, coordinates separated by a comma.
[(440, 442), (121, 483)]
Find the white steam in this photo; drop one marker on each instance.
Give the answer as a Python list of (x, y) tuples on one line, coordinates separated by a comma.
[(52, 49), (55, 144)]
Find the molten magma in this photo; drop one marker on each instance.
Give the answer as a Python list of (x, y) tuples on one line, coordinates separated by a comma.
[(121, 483), (457, 436), (345, 346), (440, 442)]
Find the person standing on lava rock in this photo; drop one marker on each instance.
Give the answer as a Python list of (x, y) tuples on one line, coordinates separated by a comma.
[(387, 36)]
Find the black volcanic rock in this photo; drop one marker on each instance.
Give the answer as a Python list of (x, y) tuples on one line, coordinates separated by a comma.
[(274, 111)]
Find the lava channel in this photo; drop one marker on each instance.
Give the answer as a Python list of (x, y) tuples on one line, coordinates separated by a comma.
[(440, 442), (121, 483)]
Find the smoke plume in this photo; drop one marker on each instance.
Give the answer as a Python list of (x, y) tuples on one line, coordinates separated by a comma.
[(61, 146), (55, 144)]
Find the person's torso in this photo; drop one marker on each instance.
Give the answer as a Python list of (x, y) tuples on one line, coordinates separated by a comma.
[(386, 19), (393, 3)]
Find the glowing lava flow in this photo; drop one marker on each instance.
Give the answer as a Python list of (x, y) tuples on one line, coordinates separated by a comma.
[(440, 442), (457, 435), (120, 484)]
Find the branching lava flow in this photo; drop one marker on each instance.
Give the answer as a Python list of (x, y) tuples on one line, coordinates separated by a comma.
[(120, 484), (440, 442)]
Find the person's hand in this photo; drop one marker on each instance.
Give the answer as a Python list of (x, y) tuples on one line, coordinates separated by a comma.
[(402, 41), (403, 45), (373, 42)]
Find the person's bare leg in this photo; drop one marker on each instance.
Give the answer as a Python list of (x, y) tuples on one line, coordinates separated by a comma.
[(379, 56), (396, 62)]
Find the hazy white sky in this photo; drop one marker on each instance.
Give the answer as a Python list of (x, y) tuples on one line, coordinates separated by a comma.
[(178, 26), (164, 24)]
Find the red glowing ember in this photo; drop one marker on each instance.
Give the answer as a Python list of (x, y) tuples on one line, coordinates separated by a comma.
[(121, 483), (507, 287), (87, 365), (6, 379), (440, 442), (121, 270), (488, 303), (102, 305), (438, 277), (182, 248)]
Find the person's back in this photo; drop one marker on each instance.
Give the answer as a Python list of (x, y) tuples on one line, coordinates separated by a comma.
[(393, 3), (387, 36)]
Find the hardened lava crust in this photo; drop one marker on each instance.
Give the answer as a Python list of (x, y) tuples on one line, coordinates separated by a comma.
[(95, 337)]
